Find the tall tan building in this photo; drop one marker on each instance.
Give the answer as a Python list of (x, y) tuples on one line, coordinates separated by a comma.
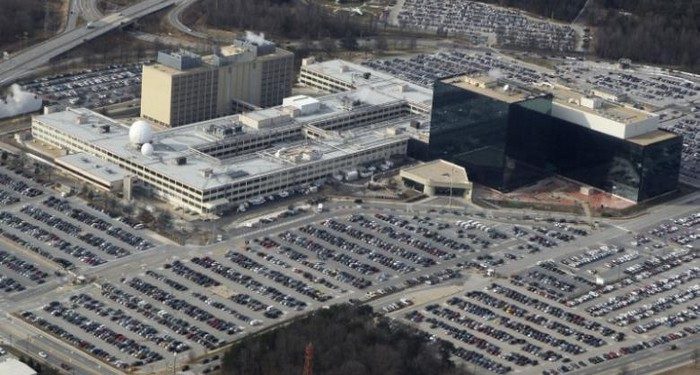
[(183, 87)]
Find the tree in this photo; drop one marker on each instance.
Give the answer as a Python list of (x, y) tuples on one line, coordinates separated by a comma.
[(145, 217), (328, 45), (380, 44), (349, 43), (164, 220)]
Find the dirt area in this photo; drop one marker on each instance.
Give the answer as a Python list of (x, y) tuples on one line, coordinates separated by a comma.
[(113, 5), (557, 193)]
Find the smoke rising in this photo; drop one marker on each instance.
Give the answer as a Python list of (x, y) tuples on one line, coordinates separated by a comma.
[(495, 73), (18, 102)]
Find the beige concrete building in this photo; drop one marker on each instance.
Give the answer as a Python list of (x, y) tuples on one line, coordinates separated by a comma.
[(438, 178), (182, 87), (176, 97)]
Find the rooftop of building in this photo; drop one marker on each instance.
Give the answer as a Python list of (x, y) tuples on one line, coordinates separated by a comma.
[(622, 114), (511, 93), (174, 71), (357, 76), (652, 137), (15, 367), (183, 142), (490, 87), (94, 166), (439, 172)]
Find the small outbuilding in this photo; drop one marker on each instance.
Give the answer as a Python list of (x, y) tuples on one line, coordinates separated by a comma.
[(438, 178)]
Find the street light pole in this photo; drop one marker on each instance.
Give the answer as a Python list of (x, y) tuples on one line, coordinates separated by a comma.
[(452, 170)]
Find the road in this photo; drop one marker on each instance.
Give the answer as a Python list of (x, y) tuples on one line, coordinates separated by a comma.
[(174, 17), (645, 362), (31, 58), (31, 341), (89, 10), (73, 13)]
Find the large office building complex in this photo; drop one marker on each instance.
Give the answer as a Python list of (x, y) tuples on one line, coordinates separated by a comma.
[(220, 164), (508, 136), (183, 87)]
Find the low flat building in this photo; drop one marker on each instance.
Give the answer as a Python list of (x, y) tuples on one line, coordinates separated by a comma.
[(93, 170), (219, 164), (339, 75), (438, 178)]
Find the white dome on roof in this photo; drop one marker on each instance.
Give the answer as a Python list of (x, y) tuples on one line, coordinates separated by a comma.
[(140, 132), (147, 149)]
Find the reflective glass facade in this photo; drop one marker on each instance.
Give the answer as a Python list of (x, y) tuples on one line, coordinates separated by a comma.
[(506, 146), (469, 129)]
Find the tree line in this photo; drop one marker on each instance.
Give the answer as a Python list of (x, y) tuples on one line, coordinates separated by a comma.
[(24, 19), (285, 18), (347, 340)]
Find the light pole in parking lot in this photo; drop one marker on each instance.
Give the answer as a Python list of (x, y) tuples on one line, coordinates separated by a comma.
[(450, 174)]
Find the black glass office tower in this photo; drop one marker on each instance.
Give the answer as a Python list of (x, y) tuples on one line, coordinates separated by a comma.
[(509, 144)]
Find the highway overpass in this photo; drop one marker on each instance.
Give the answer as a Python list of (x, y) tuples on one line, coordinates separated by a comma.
[(34, 57)]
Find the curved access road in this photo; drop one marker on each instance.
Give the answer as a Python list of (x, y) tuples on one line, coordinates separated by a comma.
[(175, 19)]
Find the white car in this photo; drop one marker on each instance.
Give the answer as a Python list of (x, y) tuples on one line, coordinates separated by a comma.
[(43, 355)]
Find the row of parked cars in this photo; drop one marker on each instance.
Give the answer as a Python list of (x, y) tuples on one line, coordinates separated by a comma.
[(17, 185), (639, 272), (278, 277), (302, 242), (64, 332), (657, 307), (373, 239), (129, 322), (90, 88), (177, 323), (626, 350), (22, 267), (666, 284), (681, 230), (7, 198), (511, 27), (400, 236), (31, 232), (253, 285), (558, 312), (74, 231), (467, 338), (524, 328), (127, 236)]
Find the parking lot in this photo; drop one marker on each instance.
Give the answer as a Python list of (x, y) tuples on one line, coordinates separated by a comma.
[(688, 126), (634, 292), (90, 88), (196, 304), (64, 232), (481, 22), (424, 69)]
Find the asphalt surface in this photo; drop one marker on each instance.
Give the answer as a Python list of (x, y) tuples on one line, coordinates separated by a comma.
[(30, 340), (34, 57), (175, 15)]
